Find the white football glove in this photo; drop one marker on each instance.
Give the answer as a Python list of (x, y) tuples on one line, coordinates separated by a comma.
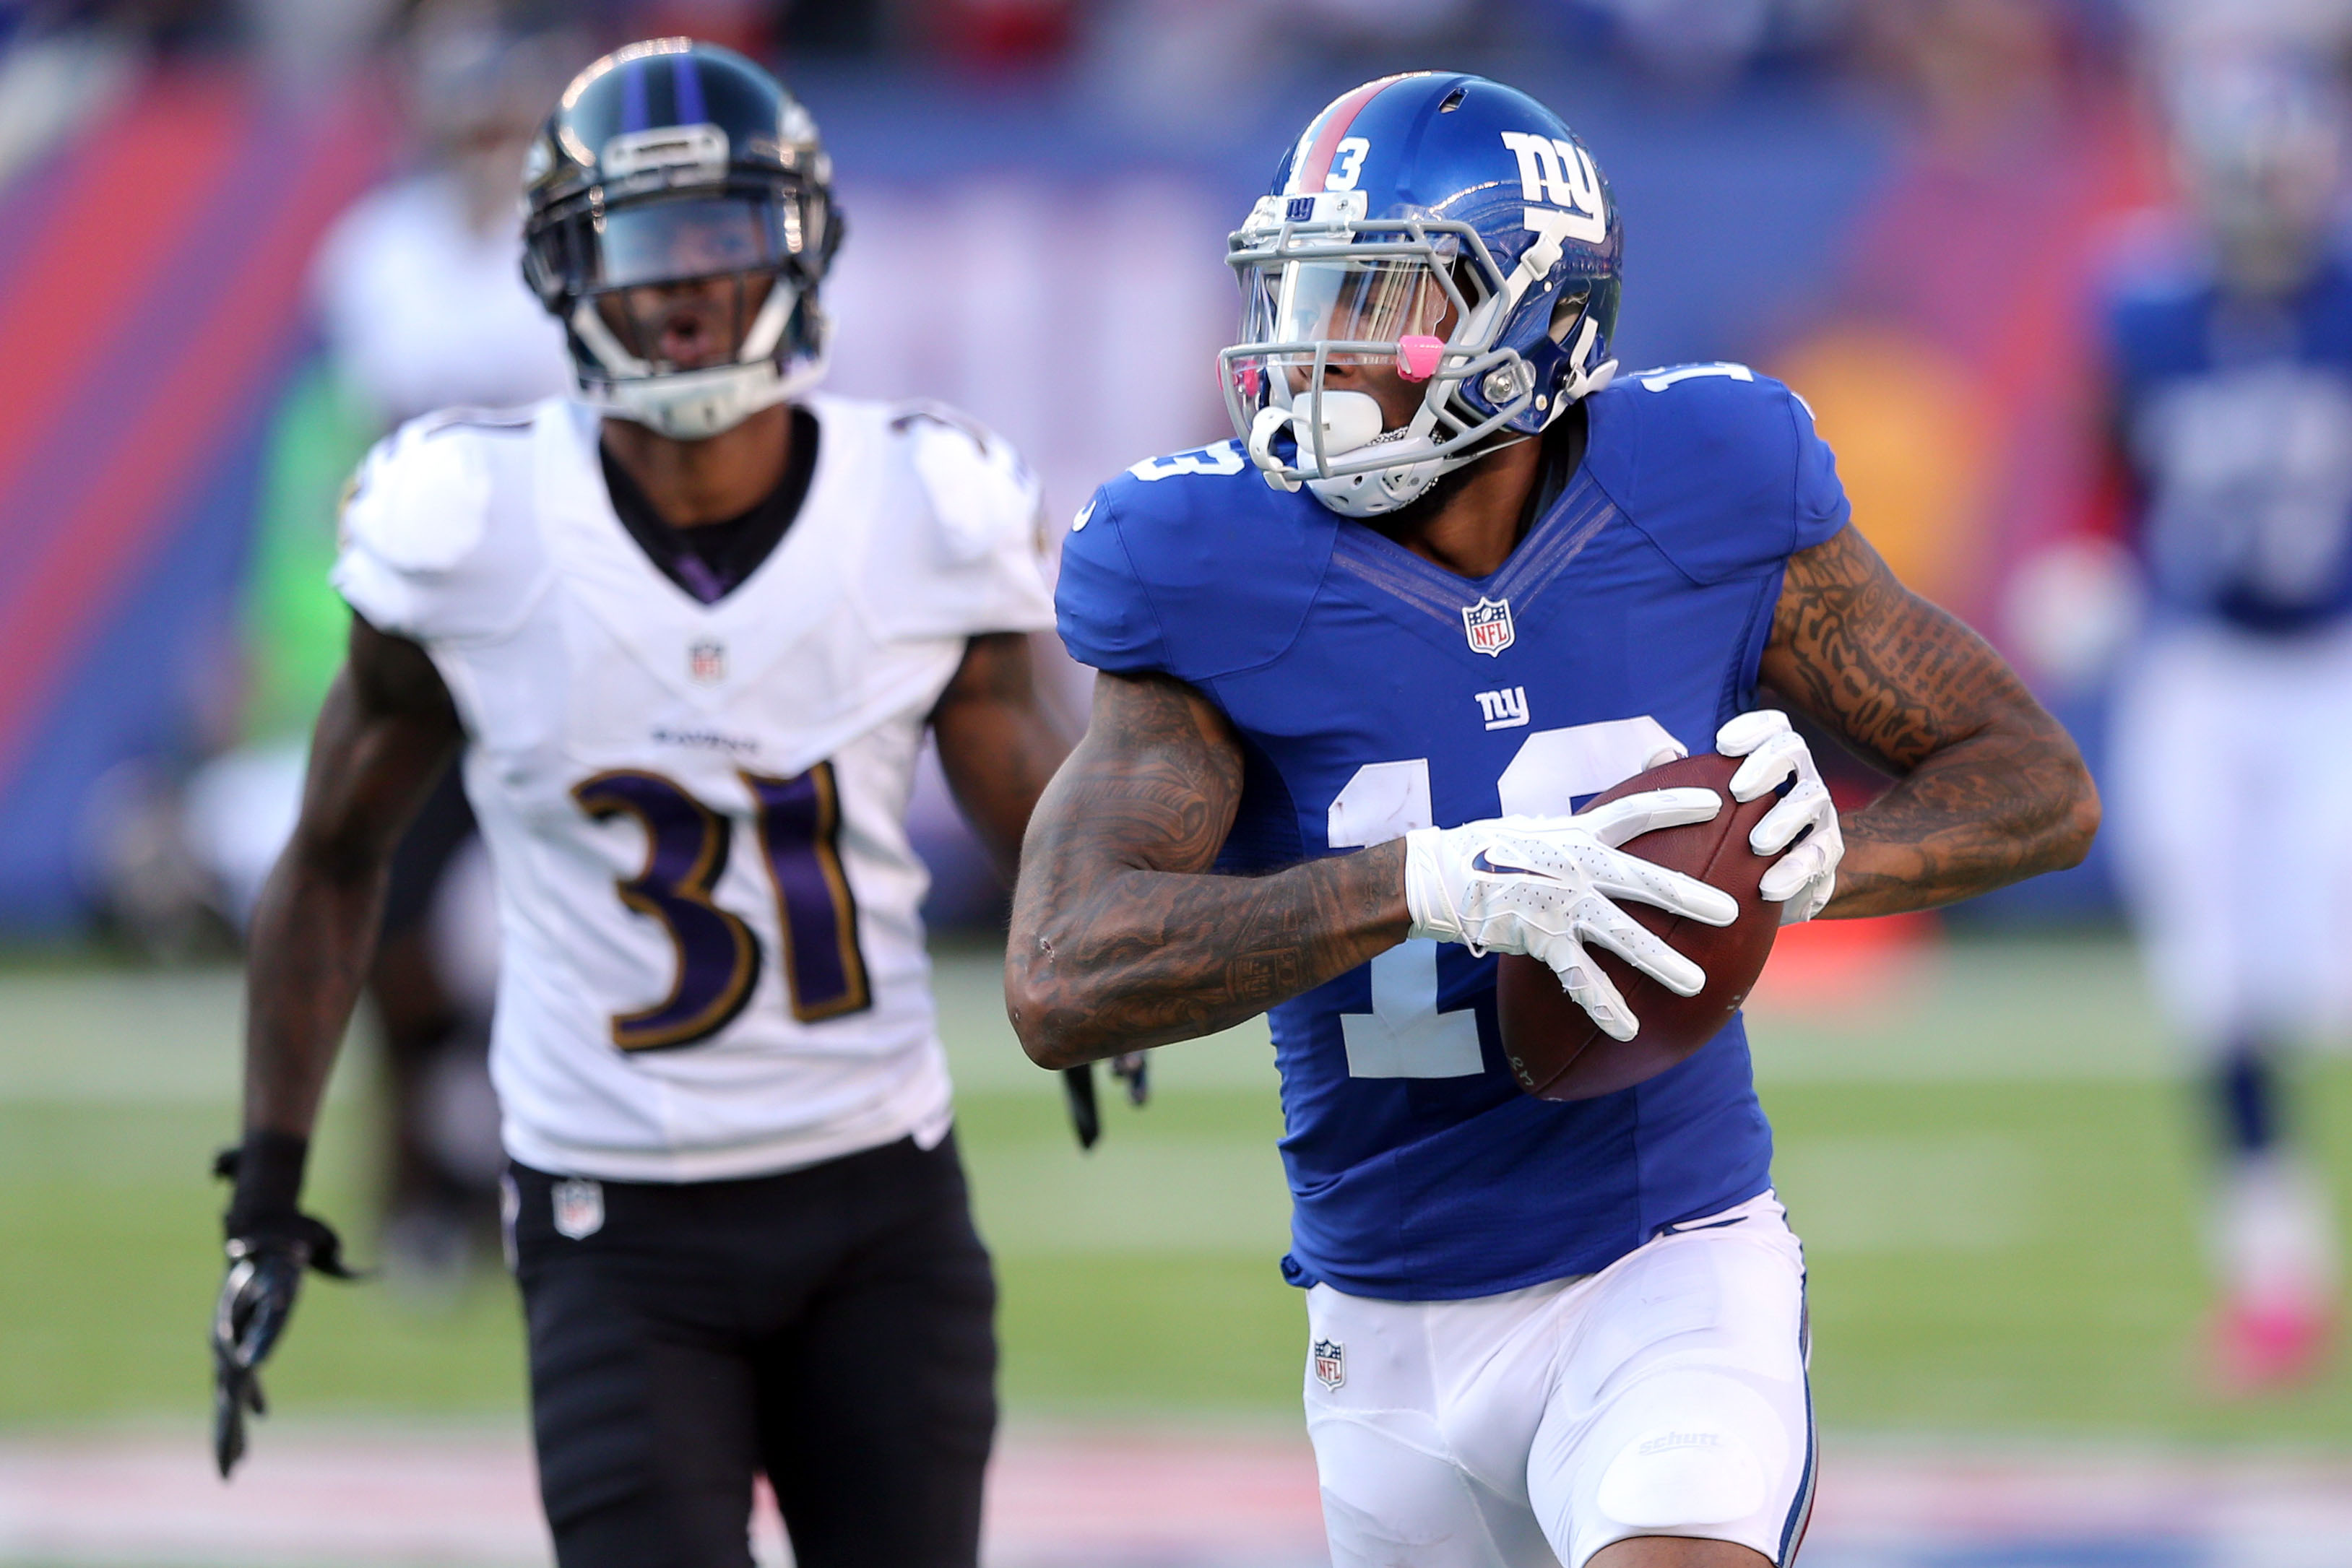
[(1802, 881), (1545, 886)]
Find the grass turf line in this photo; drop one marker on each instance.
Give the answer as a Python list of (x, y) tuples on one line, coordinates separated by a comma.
[(1986, 1256)]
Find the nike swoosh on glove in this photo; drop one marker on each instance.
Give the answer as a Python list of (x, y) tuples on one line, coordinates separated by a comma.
[(1802, 880), (1546, 886)]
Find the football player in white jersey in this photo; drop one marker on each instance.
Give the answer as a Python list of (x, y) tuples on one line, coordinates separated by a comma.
[(688, 631)]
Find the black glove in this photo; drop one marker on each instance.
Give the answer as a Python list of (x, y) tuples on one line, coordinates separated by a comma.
[(1133, 1068), (1129, 1067), (271, 1243), (1078, 1088)]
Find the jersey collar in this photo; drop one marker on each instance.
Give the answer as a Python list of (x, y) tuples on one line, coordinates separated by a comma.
[(659, 622)]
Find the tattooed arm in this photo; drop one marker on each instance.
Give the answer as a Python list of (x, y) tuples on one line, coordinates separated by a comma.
[(1989, 788), (1121, 939)]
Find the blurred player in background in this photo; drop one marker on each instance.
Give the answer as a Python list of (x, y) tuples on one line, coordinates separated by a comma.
[(2231, 355), (421, 306), (1455, 576), (689, 629)]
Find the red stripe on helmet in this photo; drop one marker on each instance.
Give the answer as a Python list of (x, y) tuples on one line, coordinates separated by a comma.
[(1342, 114)]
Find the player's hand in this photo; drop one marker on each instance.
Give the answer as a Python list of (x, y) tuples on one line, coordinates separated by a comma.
[(1078, 1094), (1800, 882), (1547, 887), (268, 1249), (1132, 1068)]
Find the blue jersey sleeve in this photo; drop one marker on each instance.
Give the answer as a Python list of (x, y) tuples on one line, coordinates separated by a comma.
[(1719, 466), (1822, 507), (1189, 566), (1103, 610)]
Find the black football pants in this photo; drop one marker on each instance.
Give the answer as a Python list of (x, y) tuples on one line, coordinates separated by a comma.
[(830, 1327)]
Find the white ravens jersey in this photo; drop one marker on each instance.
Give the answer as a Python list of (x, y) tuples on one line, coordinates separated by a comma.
[(713, 962)]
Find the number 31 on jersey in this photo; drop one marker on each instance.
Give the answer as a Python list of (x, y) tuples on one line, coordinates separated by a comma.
[(718, 959)]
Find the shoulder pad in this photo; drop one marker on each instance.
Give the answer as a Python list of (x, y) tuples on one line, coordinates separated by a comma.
[(959, 551), (980, 489), (1719, 465), (1191, 566), (421, 498), (416, 556), (1220, 459)]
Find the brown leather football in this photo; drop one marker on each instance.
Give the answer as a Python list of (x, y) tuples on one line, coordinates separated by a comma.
[(1555, 1049)]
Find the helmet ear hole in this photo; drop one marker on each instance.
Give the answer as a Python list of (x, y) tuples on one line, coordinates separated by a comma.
[(1566, 314)]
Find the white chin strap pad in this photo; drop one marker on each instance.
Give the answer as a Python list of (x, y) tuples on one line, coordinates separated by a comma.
[(1381, 490), (1345, 420), (1350, 421), (696, 404)]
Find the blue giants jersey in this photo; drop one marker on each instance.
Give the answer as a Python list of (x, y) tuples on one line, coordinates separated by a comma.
[(1374, 693), (2237, 422)]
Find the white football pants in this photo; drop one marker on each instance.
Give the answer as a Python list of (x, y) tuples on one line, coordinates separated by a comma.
[(2232, 826), (1663, 1396)]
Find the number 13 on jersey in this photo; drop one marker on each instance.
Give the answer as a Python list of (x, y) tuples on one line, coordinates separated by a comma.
[(1404, 1035), (718, 957)]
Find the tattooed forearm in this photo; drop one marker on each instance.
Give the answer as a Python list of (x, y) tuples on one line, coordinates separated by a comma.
[(1989, 788), (1120, 937)]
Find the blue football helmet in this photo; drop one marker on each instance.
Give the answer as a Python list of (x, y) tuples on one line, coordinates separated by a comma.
[(674, 167), (1443, 224)]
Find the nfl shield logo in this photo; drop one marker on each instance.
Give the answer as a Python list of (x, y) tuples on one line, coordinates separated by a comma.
[(1330, 1359), (578, 1209), (707, 662), (1488, 623)]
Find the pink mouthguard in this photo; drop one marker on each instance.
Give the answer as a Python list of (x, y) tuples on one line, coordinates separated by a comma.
[(1417, 357)]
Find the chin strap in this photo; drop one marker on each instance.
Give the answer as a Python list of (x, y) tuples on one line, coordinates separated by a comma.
[(693, 405), (1583, 383), (1271, 422)]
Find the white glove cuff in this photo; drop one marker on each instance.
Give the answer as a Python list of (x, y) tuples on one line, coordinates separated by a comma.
[(1432, 911)]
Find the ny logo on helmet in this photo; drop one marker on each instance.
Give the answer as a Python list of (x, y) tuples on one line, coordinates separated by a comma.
[(1563, 175)]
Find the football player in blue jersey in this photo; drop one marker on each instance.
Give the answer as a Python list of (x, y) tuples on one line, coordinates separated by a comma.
[(1452, 578), (2230, 347)]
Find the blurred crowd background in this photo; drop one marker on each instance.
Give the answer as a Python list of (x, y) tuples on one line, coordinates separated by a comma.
[(238, 242)]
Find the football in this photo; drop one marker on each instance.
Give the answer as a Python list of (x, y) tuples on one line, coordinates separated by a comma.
[(1555, 1049)]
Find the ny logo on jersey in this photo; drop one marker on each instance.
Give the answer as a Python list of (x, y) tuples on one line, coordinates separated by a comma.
[(1330, 1359), (1505, 709), (1489, 625)]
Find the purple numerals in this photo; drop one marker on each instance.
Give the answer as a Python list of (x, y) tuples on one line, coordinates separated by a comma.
[(685, 850), (800, 830), (717, 956)]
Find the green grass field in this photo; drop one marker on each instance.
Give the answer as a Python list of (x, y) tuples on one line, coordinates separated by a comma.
[(1993, 1170)]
